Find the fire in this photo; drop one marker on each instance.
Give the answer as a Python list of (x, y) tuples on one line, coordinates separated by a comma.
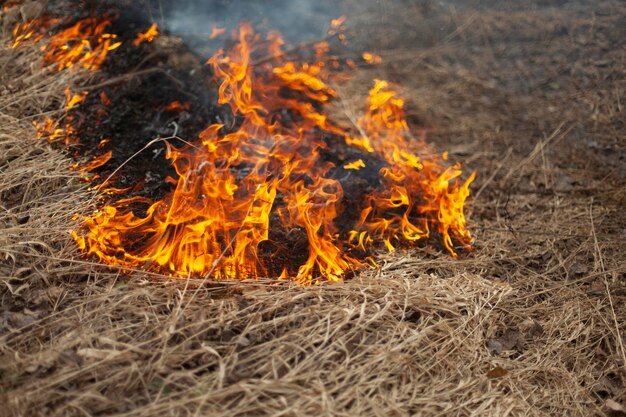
[(268, 174), (356, 165), (244, 193), (372, 58), (96, 162), (177, 106), (73, 100), (32, 31), (52, 131), (85, 44), (424, 189), (147, 36), (337, 25)]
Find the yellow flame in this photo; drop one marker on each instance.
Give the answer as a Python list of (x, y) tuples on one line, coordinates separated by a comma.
[(356, 165)]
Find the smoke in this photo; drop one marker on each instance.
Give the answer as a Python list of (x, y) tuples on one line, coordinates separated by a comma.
[(194, 20), (374, 24)]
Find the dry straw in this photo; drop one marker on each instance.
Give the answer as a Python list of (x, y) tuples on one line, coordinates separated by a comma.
[(530, 324)]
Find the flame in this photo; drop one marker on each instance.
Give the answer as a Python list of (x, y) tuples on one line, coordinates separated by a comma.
[(336, 23), (419, 193), (52, 131), (73, 100), (177, 106), (66, 132), (49, 130), (372, 58), (96, 162), (147, 36), (85, 44), (245, 192), (32, 31), (356, 165), (239, 185)]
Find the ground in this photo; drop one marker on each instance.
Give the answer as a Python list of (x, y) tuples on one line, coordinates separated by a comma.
[(530, 95)]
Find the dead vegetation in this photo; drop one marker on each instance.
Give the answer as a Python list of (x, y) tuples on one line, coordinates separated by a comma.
[(532, 323)]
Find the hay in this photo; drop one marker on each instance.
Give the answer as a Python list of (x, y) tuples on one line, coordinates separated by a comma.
[(531, 324)]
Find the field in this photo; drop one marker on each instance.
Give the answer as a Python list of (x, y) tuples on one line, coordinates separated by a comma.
[(530, 95)]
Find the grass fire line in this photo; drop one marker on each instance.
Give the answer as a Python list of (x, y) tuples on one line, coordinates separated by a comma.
[(243, 188)]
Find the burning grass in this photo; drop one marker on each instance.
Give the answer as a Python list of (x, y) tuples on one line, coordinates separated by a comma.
[(531, 324), (278, 169)]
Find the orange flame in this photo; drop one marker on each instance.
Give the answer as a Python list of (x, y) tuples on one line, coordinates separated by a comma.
[(50, 130), (177, 106), (86, 44), (147, 36), (335, 23), (32, 31), (104, 99), (372, 58), (268, 174), (421, 189), (73, 100), (96, 162)]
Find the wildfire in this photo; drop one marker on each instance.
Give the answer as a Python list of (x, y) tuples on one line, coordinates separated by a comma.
[(268, 174), (245, 192), (147, 36)]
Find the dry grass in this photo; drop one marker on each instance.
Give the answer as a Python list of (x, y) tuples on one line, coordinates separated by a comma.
[(531, 324)]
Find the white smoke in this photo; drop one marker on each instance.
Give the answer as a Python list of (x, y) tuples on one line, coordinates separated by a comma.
[(297, 20)]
